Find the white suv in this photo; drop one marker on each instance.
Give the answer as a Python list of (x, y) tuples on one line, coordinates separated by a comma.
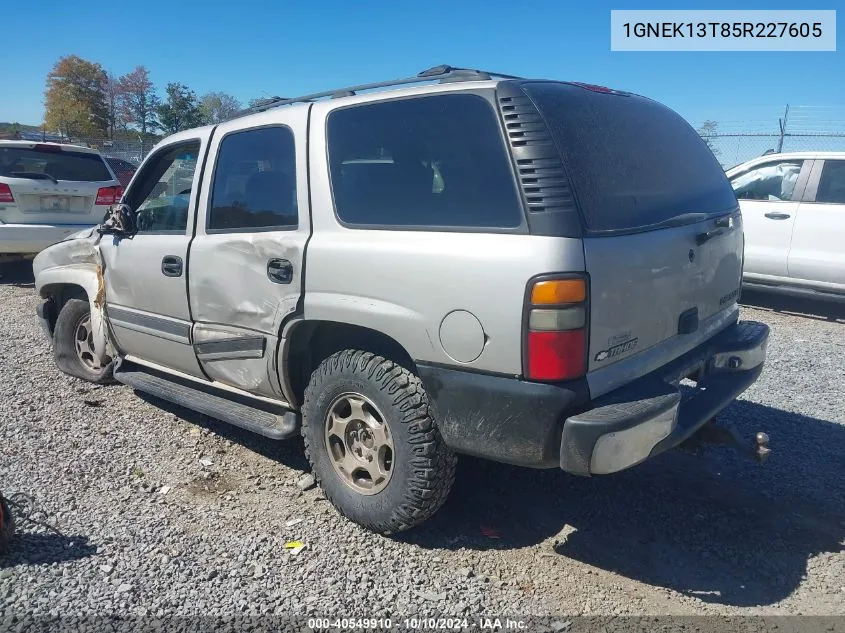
[(793, 211), (49, 191)]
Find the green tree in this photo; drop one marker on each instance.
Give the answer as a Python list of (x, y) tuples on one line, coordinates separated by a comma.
[(708, 131), (139, 101), (75, 98), (260, 101), (217, 107), (181, 110)]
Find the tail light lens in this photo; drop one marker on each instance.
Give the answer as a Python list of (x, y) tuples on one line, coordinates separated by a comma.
[(556, 330), (6, 193), (109, 195)]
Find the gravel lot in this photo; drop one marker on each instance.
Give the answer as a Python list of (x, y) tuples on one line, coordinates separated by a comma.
[(162, 511)]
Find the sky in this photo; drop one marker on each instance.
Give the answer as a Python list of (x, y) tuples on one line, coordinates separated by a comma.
[(253, 48)]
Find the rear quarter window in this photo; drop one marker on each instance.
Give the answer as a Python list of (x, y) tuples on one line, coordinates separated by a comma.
[(423, 162), (633, 162)]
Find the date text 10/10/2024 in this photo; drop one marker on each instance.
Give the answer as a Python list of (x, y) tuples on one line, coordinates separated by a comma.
[(413, 623)]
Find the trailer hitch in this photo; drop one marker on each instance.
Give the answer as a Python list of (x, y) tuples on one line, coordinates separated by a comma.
[(720, 435)]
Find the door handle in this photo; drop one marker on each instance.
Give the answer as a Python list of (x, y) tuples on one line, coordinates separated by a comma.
[(171, 266), (775, 215), (702, 238), (279, 271)]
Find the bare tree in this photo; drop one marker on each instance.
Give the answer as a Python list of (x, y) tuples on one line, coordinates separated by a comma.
[(114, 103), (709, 131), (140, 101)]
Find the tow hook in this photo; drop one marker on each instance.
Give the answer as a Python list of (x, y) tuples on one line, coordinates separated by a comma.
[(712, 433)]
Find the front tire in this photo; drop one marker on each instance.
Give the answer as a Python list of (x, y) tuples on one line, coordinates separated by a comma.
[(372, 442), (73, 344), (7, 524)]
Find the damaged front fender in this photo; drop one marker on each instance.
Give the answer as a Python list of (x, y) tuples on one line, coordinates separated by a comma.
[(77, 263)]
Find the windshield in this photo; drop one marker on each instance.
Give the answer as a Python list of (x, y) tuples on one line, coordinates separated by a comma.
[(55, 164), (633, 162)]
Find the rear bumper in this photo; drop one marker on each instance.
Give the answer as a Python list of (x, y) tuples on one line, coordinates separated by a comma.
[(544, 426), (29, 239), (656, 413)]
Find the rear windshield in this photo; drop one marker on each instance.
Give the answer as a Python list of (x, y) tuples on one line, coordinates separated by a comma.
[(61, 164), (632, 161)]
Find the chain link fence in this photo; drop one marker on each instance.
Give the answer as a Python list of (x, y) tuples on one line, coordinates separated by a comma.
[(132, 151), (735, 148)]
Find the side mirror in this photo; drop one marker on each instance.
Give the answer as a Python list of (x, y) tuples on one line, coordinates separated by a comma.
[(119, 221)]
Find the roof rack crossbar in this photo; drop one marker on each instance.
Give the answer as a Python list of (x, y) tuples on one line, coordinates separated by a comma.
[(441, 73)]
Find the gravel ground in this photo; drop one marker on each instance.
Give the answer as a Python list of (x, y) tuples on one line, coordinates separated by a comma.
[(163, 511)]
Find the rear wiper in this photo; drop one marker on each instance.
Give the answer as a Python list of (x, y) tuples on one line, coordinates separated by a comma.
[(680, 220), (34, 175)]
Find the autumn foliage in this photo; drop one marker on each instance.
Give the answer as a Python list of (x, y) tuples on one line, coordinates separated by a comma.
[(82, 100)]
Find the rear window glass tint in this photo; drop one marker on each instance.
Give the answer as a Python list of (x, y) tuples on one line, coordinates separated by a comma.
[(61, 165), (426, 162), (632, 161)]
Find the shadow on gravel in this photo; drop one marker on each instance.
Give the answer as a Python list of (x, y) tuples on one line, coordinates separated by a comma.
[(17, 274), (719, 527), (290, 452), (810, 308), (45, 548)]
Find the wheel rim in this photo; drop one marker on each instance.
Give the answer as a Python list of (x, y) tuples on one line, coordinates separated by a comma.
[(359, 443), (84, 342)]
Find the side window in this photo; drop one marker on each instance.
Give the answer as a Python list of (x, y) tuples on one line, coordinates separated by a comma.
[(254, 181), (437, 161), (773, 181), (832, 182), (162, 192)]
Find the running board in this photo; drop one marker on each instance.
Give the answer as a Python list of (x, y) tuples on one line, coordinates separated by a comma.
[(272, 422)]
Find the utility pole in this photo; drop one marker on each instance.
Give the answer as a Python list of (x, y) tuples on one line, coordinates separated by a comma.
[(782, 124)]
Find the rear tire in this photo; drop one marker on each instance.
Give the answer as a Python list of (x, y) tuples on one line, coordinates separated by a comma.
[(73, 346), (372, 443)]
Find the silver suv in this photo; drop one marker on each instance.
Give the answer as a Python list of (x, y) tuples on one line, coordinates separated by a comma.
[(466, 262)]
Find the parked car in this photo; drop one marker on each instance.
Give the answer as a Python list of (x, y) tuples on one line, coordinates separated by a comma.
[(122, 169), (793, 210), (483, 265), (49, 191)]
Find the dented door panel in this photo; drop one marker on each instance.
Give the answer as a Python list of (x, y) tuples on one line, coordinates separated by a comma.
[(245, 264), (229, 282)]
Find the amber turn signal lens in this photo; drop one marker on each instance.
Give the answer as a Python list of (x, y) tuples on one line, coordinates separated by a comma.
[(559, 291)]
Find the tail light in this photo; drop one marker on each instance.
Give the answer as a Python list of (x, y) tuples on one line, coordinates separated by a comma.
[(109, 195), (6, 193), (556, 329)]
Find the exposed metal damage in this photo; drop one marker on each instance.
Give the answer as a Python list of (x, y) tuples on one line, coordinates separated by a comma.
[(76, 262)]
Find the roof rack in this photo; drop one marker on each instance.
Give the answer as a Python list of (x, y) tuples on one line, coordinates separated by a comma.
[(442, 73)]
